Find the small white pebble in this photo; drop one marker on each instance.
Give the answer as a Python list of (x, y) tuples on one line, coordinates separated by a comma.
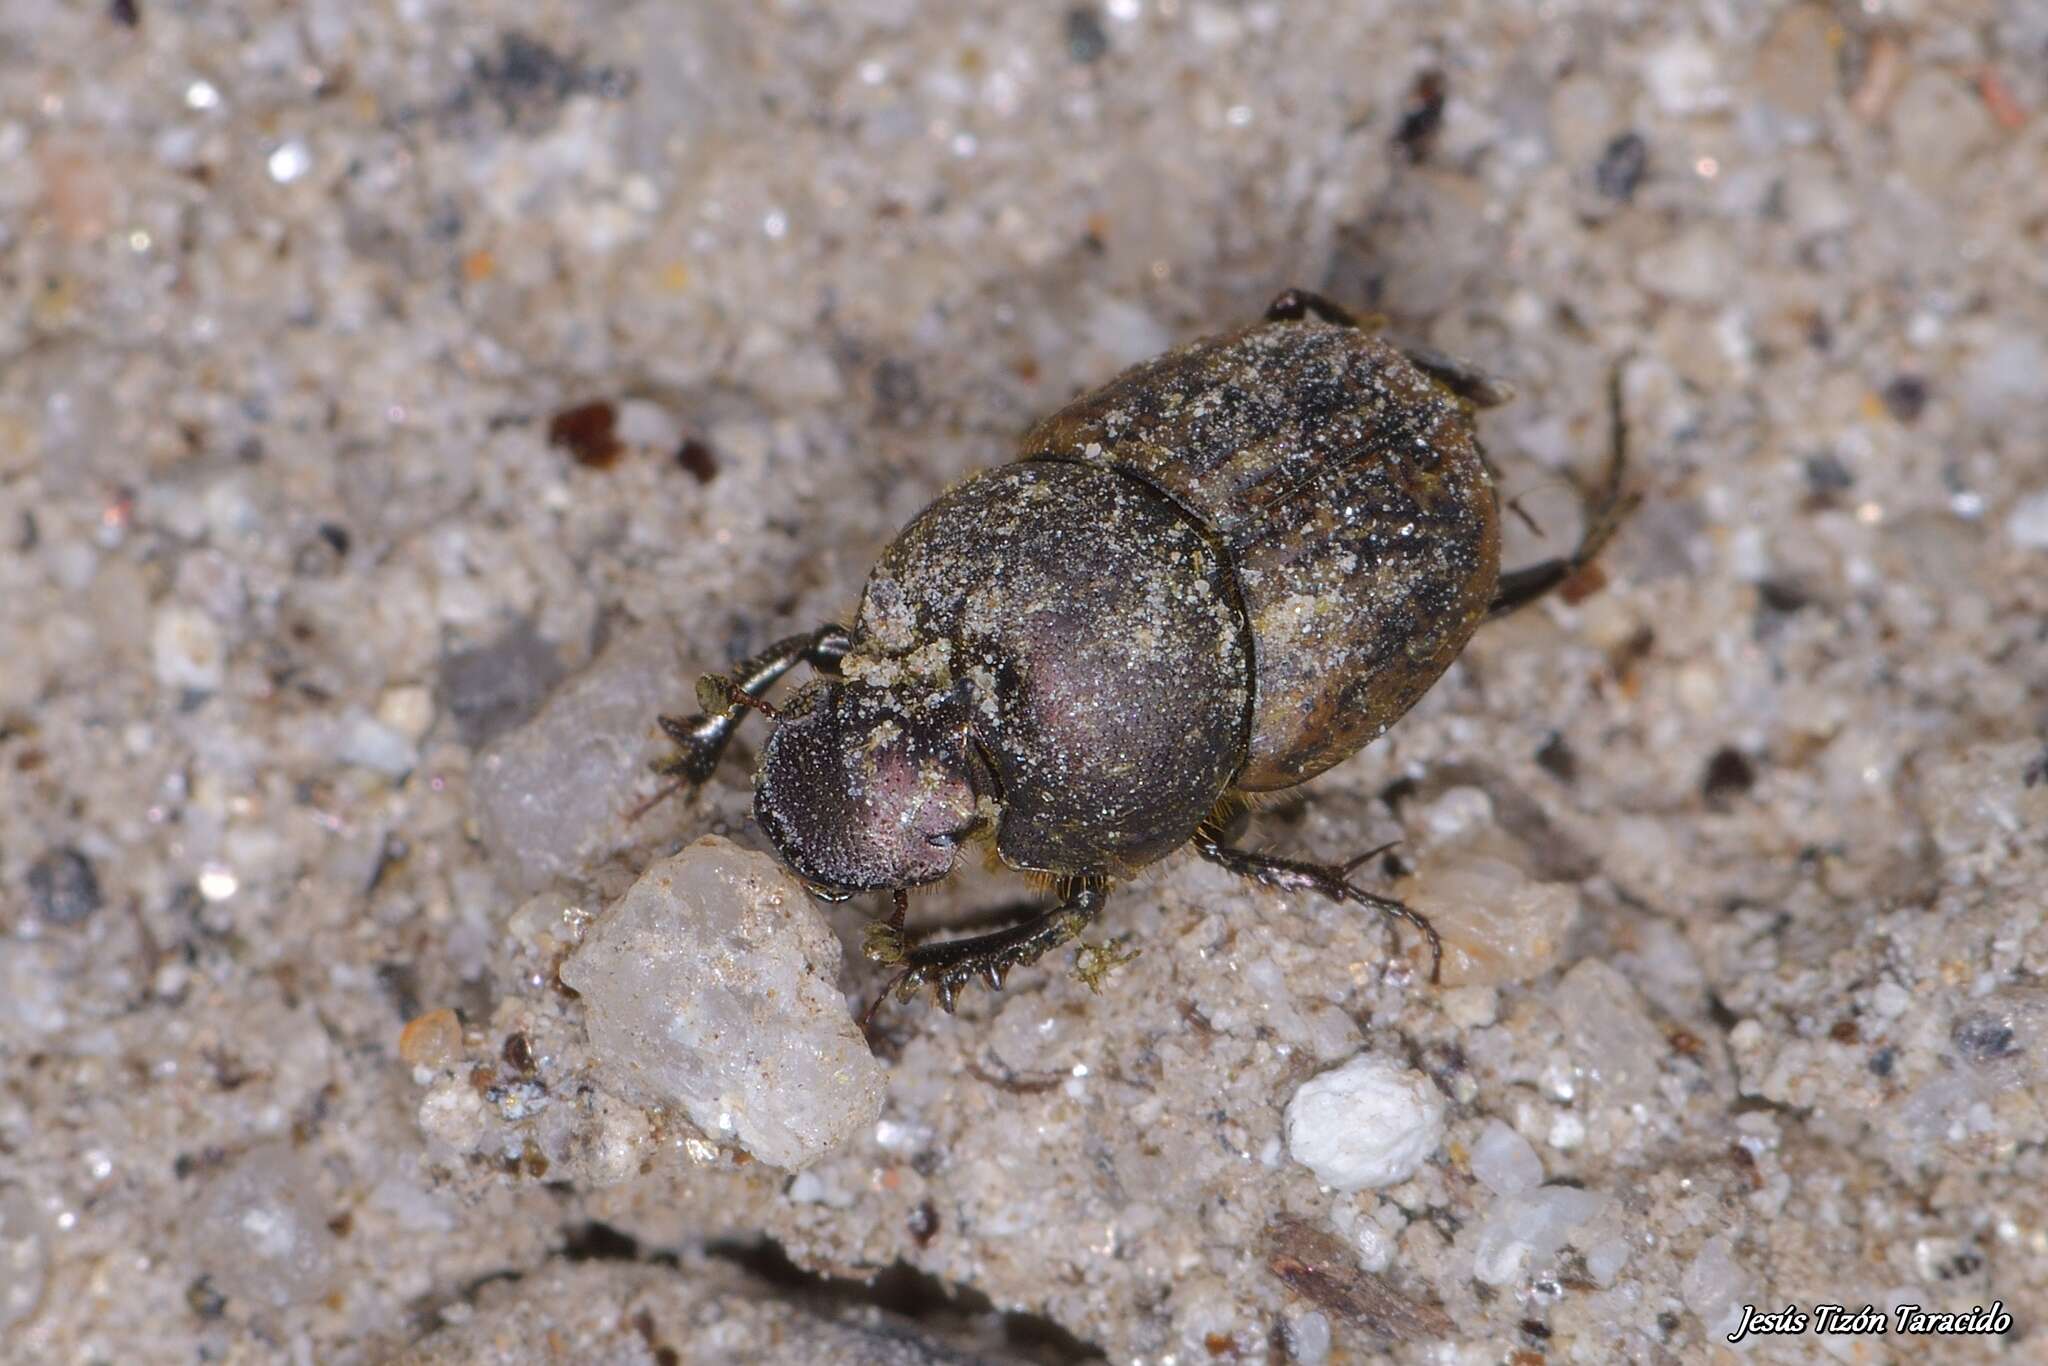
[(1682, 78), (1375, 1244), (2028, 522), (1471, 1007), (1889, 1000), (288, 162), (1523, 1232), (1605, 1259), (1503, 1160), (1567, 1132), (217, 882), (1308, 1338), (1458, 810), (1713, 1285), (189, 652), (644, 423), (1125, 332), (1368, 1123), (409, 710), (369, 743)]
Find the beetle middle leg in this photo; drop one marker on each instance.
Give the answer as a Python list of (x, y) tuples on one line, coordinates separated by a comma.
[(951, 964), (1463, 378), (700, 740), (1520, 587), (1330, 880)]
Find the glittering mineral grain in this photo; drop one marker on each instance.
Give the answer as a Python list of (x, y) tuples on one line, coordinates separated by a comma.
[(1523, 1231), (713, 985), (1503, 1160)]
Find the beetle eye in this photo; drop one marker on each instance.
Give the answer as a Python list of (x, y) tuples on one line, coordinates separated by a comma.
[(947, 839)]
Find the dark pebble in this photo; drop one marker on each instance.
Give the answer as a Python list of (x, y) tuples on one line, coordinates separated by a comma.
[(1905, 398), (588, 432), (1985, 1037), (492, 689), (1621, 167), (697, 458), (1729, 774), (1086, 41), (63, 886)]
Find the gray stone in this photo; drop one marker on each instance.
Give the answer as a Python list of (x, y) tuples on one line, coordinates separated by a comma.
[(1522, 1232), (494, 687), (260, 1232), (714, 985), (24, 1255), (553, 795), (1503, 1160), (63, 887)]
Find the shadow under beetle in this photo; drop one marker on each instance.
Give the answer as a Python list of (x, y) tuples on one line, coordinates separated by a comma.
[(1221, 573)]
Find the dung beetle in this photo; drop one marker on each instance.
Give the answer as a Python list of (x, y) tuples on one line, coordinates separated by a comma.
[(1219, 574)]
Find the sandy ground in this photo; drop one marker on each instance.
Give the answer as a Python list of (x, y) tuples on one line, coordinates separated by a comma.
[(400, 403)]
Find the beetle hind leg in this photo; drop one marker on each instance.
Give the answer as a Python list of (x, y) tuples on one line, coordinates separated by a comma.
[(1330, 880), (1605, 513), (951, 964)]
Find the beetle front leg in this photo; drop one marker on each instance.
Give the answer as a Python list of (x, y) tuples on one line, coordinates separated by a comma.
[(700, 740), (951, 964), (1330, 880)]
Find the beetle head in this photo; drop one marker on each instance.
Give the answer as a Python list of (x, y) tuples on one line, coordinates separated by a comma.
[(858, 790)]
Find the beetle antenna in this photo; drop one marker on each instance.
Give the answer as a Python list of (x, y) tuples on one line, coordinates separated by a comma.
[(867, 1017), (656, 800)]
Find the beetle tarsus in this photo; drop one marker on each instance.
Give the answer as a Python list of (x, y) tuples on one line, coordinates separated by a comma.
[(884, 943), (867, 1017), (661, 794), (1332, 881), (700, 740), (950, 964)]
